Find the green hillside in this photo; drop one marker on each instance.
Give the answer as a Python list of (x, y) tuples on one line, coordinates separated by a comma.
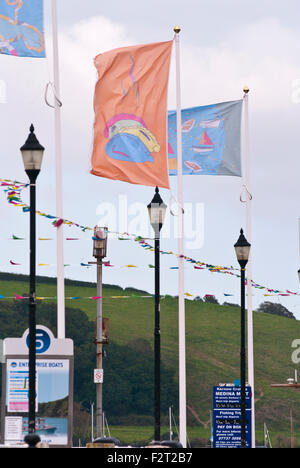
[(212, 345)]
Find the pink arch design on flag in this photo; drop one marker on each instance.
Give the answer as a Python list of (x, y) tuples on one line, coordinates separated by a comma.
[(118, 117)]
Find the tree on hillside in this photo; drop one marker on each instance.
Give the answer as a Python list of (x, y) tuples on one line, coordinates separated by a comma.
[(129, 388), (210, 299), (275, 309)]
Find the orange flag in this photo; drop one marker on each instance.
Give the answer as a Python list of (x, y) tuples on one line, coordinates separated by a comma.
[(130, 104)]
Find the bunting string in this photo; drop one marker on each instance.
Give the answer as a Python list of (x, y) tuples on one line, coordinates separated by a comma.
[(19, 297), (187, 295), (13, 190)]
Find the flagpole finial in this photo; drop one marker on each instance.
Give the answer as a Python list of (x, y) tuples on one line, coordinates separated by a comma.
[(177, 29), (246, 89)]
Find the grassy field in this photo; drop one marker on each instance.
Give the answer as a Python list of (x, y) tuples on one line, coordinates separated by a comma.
[(212, 354)]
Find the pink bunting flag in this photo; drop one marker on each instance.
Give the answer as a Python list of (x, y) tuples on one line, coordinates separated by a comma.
[(17, 296), (58, 222), (96, 297)]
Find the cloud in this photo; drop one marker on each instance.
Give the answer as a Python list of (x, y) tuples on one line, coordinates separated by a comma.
[(79, 45), (263, 55)]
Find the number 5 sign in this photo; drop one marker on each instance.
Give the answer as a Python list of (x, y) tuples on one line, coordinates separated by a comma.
[(42, 341), (98, 375)]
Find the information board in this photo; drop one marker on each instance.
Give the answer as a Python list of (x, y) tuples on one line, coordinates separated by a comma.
[(13, 428), (54, 389), (18, 386), (227, 416)]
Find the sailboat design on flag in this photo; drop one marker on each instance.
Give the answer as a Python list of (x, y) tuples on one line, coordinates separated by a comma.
[(188, 125), (205, 144)]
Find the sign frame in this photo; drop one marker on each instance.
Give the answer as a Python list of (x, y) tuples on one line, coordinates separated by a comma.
[(57, 349)]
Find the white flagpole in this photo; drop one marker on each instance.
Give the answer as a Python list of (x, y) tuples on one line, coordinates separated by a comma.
[(181, 308), (249, 267), (59, 209)]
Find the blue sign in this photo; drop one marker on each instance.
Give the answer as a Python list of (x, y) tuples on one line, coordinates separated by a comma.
[(42, 341), (227, 417)]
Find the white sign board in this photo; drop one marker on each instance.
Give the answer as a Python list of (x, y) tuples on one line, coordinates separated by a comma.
[(13, 428), (98, 375)]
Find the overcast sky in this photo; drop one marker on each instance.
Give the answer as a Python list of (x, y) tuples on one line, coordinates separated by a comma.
[(225, 45)]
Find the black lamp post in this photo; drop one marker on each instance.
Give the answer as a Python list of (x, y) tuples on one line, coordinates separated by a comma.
[(32, 154), (157, 212), (242, 249)]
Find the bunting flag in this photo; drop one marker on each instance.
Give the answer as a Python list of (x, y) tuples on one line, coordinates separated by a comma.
[(17, 296), (210, 140), (21, 28), (130, 104)]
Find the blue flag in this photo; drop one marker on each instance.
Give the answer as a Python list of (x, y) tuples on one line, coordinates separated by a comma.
[(211, 140), (21, 28)]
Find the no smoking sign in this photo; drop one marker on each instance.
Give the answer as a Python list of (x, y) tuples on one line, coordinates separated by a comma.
[(98, 375)]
